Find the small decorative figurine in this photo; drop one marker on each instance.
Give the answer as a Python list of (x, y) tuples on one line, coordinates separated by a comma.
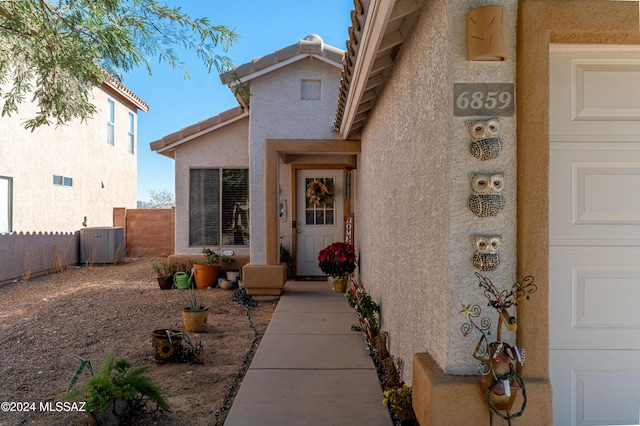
[(485, 252), (487, 199), (500, 380), (485, 142)]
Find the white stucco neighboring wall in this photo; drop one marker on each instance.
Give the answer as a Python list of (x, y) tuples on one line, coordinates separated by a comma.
[(413, 225), (226, 147), (278, 112), (104, 176)]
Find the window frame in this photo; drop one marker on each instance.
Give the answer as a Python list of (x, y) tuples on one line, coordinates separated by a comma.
[(131, 134), (111, 122), (60, 180), (9, 200), (200, 218)]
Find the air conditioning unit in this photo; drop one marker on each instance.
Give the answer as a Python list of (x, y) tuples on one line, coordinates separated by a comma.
[(102, 245)]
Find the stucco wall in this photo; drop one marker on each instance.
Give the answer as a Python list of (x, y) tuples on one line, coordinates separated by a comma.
[(418, 260), (227, 147), (104, 176), (278, 112)]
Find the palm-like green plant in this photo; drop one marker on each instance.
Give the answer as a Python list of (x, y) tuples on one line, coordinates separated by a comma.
[(115, 379)]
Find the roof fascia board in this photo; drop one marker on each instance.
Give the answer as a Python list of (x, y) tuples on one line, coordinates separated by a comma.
[(373, 32), (186, 139)]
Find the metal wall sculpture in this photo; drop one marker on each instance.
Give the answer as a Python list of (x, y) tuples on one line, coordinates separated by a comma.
[(500, 380)]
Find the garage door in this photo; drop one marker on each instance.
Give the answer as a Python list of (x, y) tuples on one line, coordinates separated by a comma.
[(594, 218)]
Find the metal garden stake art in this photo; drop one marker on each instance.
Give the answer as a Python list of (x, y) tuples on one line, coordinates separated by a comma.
[(500, 380)]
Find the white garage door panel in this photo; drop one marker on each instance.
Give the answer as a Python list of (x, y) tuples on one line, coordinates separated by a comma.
[(599, 97), (596, 96), (603, 393), (595, 199), (594, 234), (589, 305)]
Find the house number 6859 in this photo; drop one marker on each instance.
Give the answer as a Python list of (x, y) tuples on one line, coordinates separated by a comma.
[(490, 100), (483, 99)]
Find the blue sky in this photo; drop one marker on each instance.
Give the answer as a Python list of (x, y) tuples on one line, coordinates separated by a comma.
[(263, 26)]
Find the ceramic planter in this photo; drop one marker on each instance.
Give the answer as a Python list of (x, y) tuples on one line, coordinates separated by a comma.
[(165, 283), (195, 321), (233, 275), (113, 415), (339, 285), (166, 349)]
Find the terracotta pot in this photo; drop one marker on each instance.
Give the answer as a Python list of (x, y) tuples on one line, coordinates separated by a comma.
[(195, 321), (206, 275), (227, 285)]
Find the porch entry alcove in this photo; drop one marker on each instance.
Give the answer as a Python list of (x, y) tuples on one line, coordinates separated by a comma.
[(269, 279)]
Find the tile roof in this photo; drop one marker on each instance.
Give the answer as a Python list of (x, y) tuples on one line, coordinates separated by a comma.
[(311, 45), (376, 36), (127, 93), (166, 145)]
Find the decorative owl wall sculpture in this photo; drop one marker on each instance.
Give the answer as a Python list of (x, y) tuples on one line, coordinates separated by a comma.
[(487, 199), (485, 252), (486, 143)]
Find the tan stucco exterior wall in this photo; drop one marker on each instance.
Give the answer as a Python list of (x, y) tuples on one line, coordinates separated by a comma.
[(226, 147), (104, 176), (278, 112), (542, 23), (417, 262)]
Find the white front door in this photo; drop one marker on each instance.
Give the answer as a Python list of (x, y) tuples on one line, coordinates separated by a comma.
[(318, 223), (594, 237)]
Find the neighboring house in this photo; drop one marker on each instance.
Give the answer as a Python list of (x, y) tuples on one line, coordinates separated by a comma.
[(400, 160), (59, 179)]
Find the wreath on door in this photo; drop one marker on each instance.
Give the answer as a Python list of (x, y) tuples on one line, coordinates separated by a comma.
[(318, 193)]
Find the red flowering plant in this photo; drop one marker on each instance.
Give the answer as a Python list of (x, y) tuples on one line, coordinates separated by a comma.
[(338, 259)]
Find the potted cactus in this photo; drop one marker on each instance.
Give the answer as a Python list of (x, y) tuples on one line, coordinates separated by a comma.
[(195, 314)]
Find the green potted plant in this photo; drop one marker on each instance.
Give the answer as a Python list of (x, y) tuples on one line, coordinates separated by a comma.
[(195, 314), (116, 393), (338, 260), (163, 270), (207, 275), (398, 400), (285, 257)]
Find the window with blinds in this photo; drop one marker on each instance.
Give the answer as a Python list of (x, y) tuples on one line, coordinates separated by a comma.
[(218, 207)]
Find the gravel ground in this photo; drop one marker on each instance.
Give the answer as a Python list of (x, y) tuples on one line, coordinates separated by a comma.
[(89, 309)]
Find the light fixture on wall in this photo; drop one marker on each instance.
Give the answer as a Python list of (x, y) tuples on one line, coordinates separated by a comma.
[(487, 34)]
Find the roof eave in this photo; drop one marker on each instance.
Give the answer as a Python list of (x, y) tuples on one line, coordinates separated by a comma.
[(167, 145), (125, 92), (372, 33), (378, 32)]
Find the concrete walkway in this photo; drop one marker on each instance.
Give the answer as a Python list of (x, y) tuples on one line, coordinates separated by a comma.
[(310, 368)]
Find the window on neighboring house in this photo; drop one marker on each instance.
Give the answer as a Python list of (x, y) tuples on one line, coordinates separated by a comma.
[(6, 204), (111, 122), (62, 180), (218, 207), (132, 134)]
